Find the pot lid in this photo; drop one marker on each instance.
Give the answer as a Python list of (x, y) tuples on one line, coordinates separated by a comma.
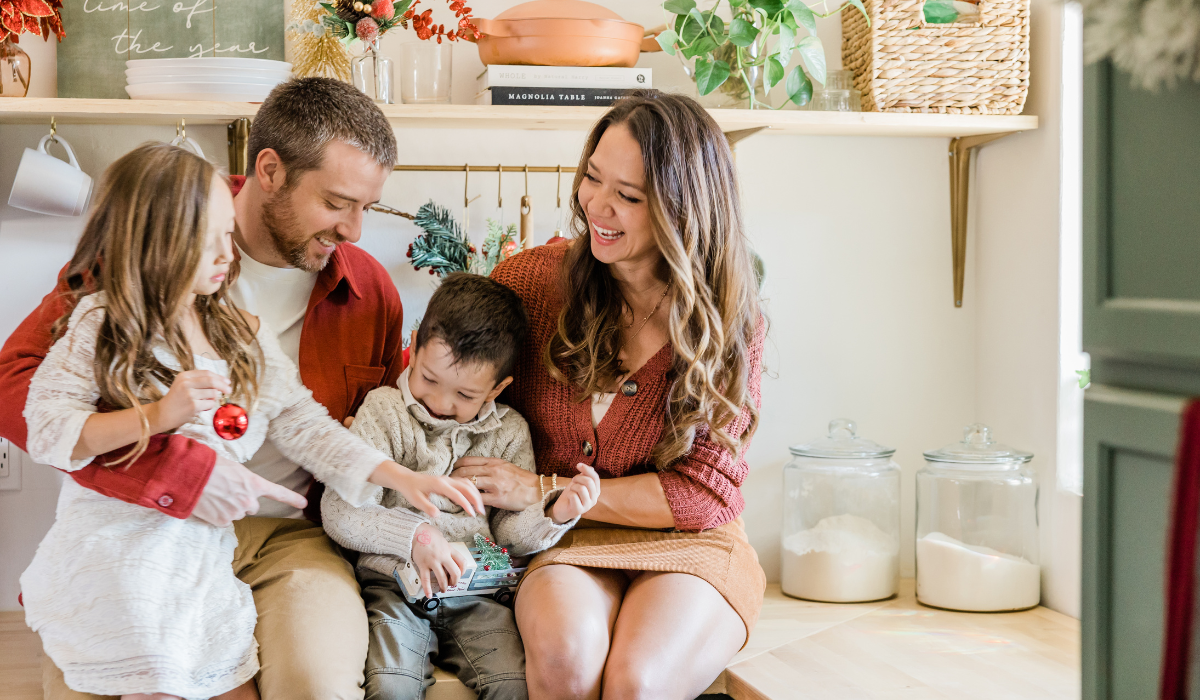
[(559, 9), (978, 447), (842, 442)]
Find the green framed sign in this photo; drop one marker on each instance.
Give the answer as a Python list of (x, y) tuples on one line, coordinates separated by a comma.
[(103, 34)]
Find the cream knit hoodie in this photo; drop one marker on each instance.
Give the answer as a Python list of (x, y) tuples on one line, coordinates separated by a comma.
[(395, 423)]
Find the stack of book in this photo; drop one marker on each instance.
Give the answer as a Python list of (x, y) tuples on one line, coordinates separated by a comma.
[(558, 85)]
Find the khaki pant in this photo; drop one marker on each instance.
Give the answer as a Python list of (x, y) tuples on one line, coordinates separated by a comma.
[(312, 626)]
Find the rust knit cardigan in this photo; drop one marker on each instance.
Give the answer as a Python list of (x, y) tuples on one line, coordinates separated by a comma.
[(703, 488)]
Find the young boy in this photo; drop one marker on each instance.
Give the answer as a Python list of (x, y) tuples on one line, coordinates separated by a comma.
[(443, 409)]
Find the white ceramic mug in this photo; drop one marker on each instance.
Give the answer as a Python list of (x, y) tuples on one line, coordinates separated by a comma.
[(46, 185), (189, 143)]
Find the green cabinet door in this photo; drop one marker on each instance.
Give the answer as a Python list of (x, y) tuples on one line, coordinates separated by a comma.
[(1141, 324)]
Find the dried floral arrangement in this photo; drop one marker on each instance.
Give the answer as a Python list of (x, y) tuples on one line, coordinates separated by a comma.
[(355, 20), (40, 17)]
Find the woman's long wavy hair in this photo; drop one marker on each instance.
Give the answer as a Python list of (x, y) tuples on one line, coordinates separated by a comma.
[(142, 247), (713, 305)]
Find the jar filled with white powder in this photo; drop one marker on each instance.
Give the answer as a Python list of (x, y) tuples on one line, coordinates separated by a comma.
[(977, 529), (841, 519)]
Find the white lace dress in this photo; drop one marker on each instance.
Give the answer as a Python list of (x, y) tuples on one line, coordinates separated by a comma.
[(127, 599)]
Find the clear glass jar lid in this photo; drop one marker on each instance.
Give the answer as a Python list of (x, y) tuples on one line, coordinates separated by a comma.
[(842, 442), (978, 447)]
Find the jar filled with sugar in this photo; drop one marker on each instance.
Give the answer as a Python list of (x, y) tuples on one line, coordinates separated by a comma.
[(977, 528), (841, 519)]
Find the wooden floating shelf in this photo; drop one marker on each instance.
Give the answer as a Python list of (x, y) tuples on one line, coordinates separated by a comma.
[(447, 116)]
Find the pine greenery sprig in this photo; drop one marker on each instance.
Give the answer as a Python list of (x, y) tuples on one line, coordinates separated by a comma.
[(499, 244), (342, 19), (443, 247)]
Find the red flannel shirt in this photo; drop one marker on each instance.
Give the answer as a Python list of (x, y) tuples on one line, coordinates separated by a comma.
[(350, 344)]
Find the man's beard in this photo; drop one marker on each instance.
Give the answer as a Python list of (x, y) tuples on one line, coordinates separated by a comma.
[(289, 238)]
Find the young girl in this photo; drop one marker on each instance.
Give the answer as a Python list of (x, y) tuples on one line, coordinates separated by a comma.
[(129, 601)]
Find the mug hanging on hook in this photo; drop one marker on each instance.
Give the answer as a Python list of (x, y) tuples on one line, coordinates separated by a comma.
[(526, 216), (183, 141)]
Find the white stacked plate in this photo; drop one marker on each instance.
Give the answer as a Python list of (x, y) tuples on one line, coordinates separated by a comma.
[(222, 79)]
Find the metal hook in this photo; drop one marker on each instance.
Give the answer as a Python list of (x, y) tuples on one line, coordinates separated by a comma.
[(466, 185), (53, 129), (181, 129), (499, 187), (527, 179), (558, 188)]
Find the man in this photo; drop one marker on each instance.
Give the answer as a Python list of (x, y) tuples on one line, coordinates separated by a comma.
[(322, 152)]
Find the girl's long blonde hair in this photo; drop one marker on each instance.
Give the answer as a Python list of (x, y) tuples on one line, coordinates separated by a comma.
[(142, 247), (713, 306)]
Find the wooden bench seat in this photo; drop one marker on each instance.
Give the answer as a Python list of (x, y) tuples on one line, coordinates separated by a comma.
[(812, 651)]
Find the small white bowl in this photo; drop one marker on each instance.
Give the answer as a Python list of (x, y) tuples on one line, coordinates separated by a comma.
[(267, 81), (217, 62), (209, 92)]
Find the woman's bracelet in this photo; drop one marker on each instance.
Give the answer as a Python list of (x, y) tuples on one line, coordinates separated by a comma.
[(542, 484)]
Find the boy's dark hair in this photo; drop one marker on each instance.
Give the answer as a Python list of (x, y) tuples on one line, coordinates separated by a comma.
[(480, 319), (300, 117)]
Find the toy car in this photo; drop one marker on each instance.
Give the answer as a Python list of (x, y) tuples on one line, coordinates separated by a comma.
[(500, 584)]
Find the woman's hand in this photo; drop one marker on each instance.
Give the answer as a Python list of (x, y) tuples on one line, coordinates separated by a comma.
[(434, 558), (502, 484), (579, 497), (192, 392), (417, 488)]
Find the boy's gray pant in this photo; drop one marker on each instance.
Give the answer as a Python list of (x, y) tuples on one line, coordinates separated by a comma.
[(472, 636)]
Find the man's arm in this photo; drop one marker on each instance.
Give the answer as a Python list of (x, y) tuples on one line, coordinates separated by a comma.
[(169, 477)]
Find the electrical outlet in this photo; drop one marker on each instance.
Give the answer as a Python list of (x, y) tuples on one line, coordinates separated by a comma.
[(10, 467)]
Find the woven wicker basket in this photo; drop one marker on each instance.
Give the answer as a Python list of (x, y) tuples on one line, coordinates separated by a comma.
[(902, 64)]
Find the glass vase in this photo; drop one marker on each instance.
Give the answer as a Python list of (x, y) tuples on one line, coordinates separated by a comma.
[(373, 74), (14, 70), (734, 93), (426, 70)]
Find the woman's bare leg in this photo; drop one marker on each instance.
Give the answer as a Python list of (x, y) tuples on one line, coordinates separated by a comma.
[(566, 614), (673, 636)]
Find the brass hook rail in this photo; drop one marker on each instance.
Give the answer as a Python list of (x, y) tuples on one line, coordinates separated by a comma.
[(483, 168)]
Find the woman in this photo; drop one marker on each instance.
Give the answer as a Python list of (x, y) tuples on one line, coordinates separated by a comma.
[(643, 361)]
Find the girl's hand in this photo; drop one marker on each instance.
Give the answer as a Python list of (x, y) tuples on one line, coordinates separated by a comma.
[(417, 488), (192, 393), (579, 496), (434, 558), (503, 484)]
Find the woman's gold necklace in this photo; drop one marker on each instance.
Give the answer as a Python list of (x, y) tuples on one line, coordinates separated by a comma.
[(648, 316)]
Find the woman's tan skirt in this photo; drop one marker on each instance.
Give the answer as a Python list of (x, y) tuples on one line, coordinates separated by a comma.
[(722, 556)]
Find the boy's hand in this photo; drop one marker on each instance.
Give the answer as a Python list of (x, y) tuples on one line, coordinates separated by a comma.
[(434, 558), (417, 487), (192, 392), (579, 496)]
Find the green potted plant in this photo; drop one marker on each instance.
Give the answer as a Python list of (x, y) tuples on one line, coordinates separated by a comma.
[(748, 56)]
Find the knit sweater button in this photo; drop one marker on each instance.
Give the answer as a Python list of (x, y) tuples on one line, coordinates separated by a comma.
[(629, 388), (587, 449), (165, 501)]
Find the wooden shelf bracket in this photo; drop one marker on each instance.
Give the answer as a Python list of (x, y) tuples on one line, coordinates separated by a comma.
[(960, 181)]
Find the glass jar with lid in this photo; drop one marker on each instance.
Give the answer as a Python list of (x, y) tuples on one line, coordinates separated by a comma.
[(841, 519), (977, 528)]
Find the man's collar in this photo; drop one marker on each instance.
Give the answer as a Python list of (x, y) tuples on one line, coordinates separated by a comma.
[(337, 269)]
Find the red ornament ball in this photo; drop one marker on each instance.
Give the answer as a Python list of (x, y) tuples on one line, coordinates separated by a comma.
[(504, 550), (382, 9), (367, 30), (487, 567), (230, 421)]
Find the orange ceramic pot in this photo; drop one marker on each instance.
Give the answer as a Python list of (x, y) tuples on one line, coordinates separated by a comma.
[(561, 33)]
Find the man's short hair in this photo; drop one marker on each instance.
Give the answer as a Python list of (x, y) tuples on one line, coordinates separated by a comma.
[(481, 320), (300, 117)]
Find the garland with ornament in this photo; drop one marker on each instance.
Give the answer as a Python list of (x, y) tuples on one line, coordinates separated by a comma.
[(443, 246), (38, 17)]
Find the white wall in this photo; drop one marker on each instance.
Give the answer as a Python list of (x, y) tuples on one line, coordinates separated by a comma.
[(855, 233)]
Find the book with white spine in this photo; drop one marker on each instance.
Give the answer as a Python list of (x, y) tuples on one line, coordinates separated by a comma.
[(564, 77)]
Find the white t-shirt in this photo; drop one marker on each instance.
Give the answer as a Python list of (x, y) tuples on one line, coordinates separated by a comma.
[(279, 296)]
